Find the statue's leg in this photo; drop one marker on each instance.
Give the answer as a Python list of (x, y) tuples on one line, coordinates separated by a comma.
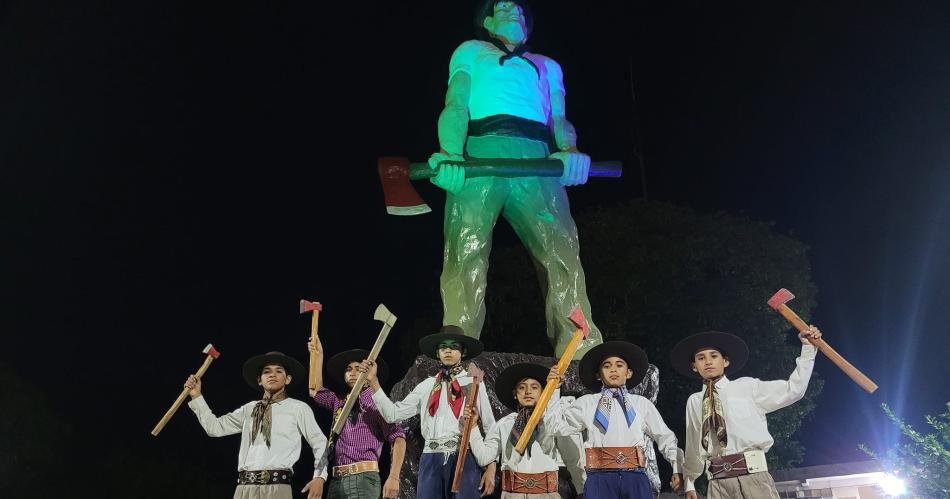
[(540, 214), (469, 218)]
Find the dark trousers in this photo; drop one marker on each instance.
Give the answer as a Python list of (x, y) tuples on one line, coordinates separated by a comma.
[(617, 484), (435, 478)]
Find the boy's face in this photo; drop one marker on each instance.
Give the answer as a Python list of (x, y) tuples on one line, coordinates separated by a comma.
[(709, 363), (450, 353), (352, 372), (614, 372), (273, 378), (527, 392)]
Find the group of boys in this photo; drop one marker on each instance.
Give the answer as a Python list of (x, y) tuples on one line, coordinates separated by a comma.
[(726, 432)]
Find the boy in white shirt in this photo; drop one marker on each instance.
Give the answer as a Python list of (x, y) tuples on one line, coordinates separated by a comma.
[(726, 428), (617, 422), (270, 430)]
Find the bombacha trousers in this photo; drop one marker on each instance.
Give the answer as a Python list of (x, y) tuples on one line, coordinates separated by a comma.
[(539, 212), (755, 486)]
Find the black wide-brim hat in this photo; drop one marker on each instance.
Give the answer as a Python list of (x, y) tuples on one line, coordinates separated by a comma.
[(730, 346), (508, 380), (253, 367), (635, 357), (429, 345), (336, 367)]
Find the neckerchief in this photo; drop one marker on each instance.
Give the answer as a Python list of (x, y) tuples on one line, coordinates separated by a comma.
[(520, 422), (519, 51), (262, 415), (447, 375), (607, 396), (713, 421)]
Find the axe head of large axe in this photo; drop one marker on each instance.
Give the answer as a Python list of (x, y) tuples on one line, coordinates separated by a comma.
[(310, 306), (780, 298), (401, 197), (210, 350), (382, 314), (577, 317)]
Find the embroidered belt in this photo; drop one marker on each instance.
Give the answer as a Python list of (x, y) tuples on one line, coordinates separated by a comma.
[(354, 468), (444, 445), (265, 477), (733, 465), (529, 483), (610, 458)]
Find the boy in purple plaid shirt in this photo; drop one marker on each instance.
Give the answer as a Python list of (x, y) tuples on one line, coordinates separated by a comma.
[(356, 472)]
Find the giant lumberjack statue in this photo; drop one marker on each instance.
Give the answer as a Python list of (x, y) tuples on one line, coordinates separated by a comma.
[(505, 102)]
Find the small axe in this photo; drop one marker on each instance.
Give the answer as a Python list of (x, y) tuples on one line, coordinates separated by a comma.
[(477, 376), (315, 307), (212, 354), (401, 199), (778, 302)]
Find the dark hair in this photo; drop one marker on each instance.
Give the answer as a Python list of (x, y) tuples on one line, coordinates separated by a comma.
[(692, 358), (487, 9)]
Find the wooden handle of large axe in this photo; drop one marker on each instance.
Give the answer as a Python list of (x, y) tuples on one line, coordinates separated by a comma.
[(212, 354), (388, 319), (509, 167), (315, 307), (477, 376), (778, 303), (577, 317)]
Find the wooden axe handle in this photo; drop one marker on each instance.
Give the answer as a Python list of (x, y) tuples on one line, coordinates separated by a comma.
[(849, 369), (340, 421), (466, 435), (312, 375), (510, 168), (548, 392), (181, 398)]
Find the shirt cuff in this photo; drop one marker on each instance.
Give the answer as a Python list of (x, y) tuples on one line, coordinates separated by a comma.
[(690, 486), (197, 405), (809, 351)]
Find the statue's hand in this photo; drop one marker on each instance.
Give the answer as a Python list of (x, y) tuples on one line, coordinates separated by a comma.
[(576, 167), (449, 177)]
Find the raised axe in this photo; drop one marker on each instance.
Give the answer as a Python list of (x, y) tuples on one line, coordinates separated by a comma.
[(212, 354), (477, 376), (402, 199), (582, 332), (315, 307), (383, 315), (778, 302)]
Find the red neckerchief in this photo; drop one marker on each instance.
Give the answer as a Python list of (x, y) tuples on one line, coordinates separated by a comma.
[(455, 396)]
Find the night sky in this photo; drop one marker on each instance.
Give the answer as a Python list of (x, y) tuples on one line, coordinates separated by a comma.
[(176, 173)]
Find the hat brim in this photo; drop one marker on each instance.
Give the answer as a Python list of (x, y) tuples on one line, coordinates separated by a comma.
[(729, 345), (337, 365), (636, 358), (429, 345), (252, 368), (508, 380)]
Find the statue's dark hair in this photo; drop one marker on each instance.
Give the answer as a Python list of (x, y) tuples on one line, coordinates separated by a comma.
[(486, 8)]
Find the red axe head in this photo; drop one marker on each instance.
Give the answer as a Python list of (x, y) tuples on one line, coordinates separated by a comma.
[(401, 197), (210, 350), (577, 317), (309, 306), (780, 298)]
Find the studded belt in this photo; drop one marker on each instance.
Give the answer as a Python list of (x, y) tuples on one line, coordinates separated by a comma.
[(622, 458), (265, 477), (354, 468), (529, 483), (733, 465), (444, 445)]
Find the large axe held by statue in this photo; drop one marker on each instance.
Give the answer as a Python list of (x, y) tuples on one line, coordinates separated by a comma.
[(582, 332), (778, 302), (396, 175)]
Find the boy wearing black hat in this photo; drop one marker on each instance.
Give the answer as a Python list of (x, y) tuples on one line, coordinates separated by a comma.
[(725, 421), (534, 475), (360, 442), (439, 400), (617, 423), (270, 430)]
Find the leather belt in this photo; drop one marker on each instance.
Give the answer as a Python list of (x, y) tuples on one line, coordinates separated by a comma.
[(529, 483), (354, 468), (265, 477), (733, 465), (621, 458), (446, 445)]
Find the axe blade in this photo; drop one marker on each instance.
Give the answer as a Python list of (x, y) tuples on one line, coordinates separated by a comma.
[(401, 198), (308, 306), (210, 350), (577, 317), (780, 298), (383, 314)]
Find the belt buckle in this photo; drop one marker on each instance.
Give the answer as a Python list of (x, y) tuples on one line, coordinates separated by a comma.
[(727, 466), (351, 469), (620, 458), (530, 483)]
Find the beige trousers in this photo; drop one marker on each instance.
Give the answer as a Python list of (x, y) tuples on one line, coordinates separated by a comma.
[(754, 486), (282, 491)]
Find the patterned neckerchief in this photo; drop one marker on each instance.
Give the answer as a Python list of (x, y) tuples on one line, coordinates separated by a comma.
[(455, 396), (607, 396), (713, 420), (262, 415)]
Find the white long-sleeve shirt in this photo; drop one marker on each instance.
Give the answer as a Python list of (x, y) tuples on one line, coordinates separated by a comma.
[(290, 418), (496, 443), (444, 424), (745, 402), (648, 422)]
